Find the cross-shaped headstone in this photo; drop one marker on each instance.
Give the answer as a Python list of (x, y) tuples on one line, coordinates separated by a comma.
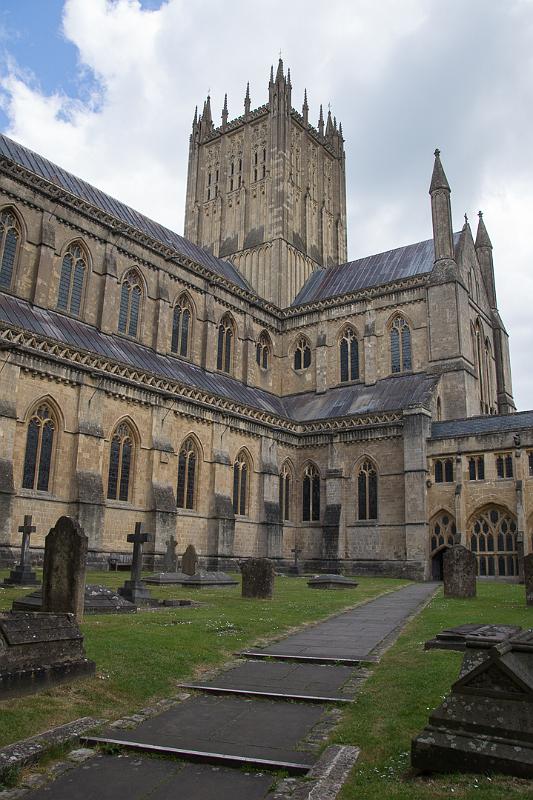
[(296, 550), (26, 530), (138, 539)]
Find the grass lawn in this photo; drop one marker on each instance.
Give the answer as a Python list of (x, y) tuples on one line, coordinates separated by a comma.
[(140, 657), (395, 703)]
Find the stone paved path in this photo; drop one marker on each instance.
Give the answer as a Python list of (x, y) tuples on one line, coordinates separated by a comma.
[(245, 730)]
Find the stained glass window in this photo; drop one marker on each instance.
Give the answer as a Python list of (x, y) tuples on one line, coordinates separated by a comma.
[(71, 280), (302, 354), (367, 491), (225, 344), (181, 327), (9, 244), (120, 463), (39, 450), (311, 494), (349, 356), (241, 469), (187, 465), (262, 351), (400, 345), (492, 537), (130, 304)]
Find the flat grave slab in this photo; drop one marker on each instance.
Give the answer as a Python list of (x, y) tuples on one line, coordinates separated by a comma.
[(484, 635), (138, 777), (97, 600), (331, 582), (316, 682), (198, 580), (227, 730)]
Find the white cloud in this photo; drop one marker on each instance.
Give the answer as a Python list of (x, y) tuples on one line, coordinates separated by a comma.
[(403, 77)]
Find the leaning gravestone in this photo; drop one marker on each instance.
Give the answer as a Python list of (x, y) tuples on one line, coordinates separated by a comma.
[(257, 578), (23, 575), (189, 561), (528, 578), (65, 558), (459, 569)]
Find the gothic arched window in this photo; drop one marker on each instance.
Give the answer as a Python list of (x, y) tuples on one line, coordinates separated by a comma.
[(187, 475), (39, 449), (241, 477), (302, 354), (9, 246), (311, 494), (400, 345), (367, 491), (492, 537), (130, 304), (349, 356), (442, 531), (120, 463), (262, 351), (181, 327), (72, 278), (226, 336), (285, 486)]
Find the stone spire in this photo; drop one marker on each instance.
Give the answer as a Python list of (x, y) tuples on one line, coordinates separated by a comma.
[(329, 126), (225, 112), (441, 212), (305, 109), (195, 118), (271, 81), (321, 122), (247, 99), (279, 74), (482, 237), (438, 179), (484, 257)]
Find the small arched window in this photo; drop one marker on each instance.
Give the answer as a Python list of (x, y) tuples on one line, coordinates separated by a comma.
[(187, 475), (241, 479), (349, 356), (73, 270), (181, 327), (262, 351), (226, 336), (130, 304), (120, 463), (285, 486), (302, 354), (367, 491), (400, 345), (311, 494), (9, 246), (39, 449)]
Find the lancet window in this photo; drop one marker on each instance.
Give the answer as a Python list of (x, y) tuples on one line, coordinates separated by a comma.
[(367, 491), (120, 463), (400, 346), (187, 475), (311, 494), (40, 442), (71, 282), (9, 247), (130, 304), (349, 356), (181, 327)]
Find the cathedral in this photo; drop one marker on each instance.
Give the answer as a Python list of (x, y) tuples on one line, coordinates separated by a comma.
[(244, 387)]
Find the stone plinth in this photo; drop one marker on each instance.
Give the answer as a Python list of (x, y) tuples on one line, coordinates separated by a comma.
[(459, 568), (528, 578), (97, 600), (257, 578), (65, 558), (332, 581)]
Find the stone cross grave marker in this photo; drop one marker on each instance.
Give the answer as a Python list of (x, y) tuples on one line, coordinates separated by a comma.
[(295, 569), (257, 578), (459, 569), (170, 561), (135, 590), (528, 578), (23, 575), (65, 560), (189, 561)]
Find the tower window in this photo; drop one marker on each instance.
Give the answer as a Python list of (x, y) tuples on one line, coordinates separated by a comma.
[(225, 344), (302, 354), (262, 351)]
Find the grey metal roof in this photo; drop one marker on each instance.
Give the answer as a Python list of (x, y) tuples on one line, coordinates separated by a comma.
[(393, 265), (392, 393), (474, 426), (60, 177)]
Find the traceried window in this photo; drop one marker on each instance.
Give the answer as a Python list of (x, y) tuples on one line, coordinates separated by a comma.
[(476, 468), (492, 537), (311, 494), (262, 351), (9, 247), (181, 327), (39, 449), (130, 304), (442, 531), (367, 491), (443, 468), (400, 346), (285, 487), (504, 465), (73, 272), (302, 354), (226, 336), (349, 356), (259, 164), (120, 463), (235, 173), (241, 478), (187, 475)]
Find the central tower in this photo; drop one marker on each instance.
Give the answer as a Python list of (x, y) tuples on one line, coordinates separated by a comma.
[(267, 190)]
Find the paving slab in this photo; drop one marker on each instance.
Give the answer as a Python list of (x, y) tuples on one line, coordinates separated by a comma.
[(316, 682), (128, 777), (352, 635), (227, 730)]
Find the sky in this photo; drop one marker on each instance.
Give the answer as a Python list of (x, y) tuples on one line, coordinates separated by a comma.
[(107, 89)]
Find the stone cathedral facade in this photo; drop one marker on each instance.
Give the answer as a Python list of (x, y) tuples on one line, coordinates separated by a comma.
[(245, 387)]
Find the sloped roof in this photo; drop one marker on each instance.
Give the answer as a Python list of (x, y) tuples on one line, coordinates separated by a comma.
[(60, 177), (389, 394), (381, 268), (474, 426)]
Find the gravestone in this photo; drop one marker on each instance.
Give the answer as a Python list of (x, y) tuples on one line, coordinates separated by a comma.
[(485, 724), (459, 568), (170, 561), (23, 575), (189, 561), (332, 581), (97, 600), (134, 590), (65, 558), (295, 568), (257, 578), (37, 650), (485, 635), (528, 578)]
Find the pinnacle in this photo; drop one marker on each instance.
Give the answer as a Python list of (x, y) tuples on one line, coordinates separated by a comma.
[(438, 179), (482, 237), (279, 73)]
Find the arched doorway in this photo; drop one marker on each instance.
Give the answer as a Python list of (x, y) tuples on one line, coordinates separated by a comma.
[(442, 532), (492, 537)]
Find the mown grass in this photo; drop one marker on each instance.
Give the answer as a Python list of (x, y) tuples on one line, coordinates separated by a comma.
[(395, 703), (141, 657)]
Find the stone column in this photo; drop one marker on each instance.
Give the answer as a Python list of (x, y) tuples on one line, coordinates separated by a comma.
[(331, 527), (8, 424), (45, 265), (89, 464), (416, 429), (221, 523), (163, 513)]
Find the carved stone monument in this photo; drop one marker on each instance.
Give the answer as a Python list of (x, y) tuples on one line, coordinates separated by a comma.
[(65, 558), (257, 578), (332, 581), (485, 635), (528, 578), (135, 590), (459, 568), (23, 575), (189, 561), (170, 561)]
